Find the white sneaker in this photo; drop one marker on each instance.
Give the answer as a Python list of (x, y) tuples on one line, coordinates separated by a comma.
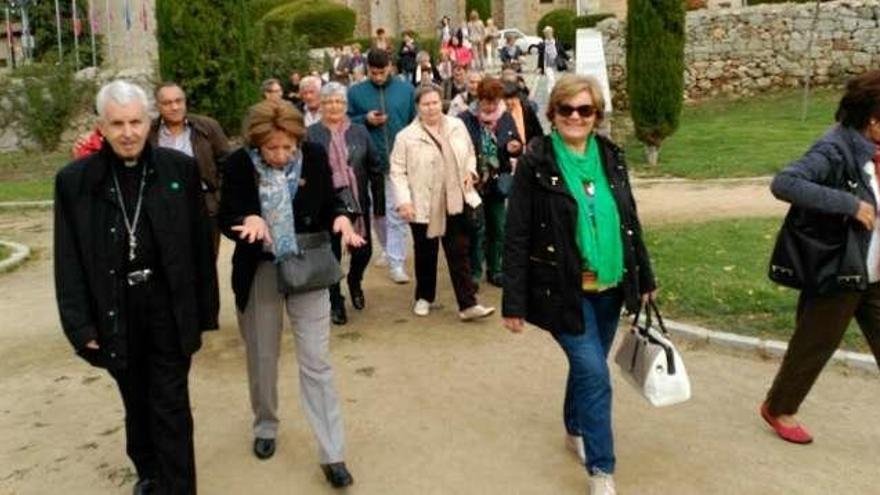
[(398, 275), (422, 308), (381, 260), (475, 312), (602, 484), (576, 445)]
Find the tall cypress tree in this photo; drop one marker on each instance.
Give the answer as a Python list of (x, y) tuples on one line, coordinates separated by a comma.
[(207, 46), (655, 69)]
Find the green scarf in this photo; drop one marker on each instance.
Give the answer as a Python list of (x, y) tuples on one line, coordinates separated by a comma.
[(598, 221)]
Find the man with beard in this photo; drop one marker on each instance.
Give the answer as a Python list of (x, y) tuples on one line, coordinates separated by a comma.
[(385, 105)]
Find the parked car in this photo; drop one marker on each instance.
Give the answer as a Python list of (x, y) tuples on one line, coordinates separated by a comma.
[(526, 42)]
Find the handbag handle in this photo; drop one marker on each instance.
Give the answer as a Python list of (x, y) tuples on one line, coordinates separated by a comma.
[(651, 311)]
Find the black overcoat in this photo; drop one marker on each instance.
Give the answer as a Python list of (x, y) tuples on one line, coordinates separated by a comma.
[(89, 251), (542, 264)]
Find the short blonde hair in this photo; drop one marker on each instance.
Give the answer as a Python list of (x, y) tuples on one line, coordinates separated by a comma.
[(269, 116), (571, 85)]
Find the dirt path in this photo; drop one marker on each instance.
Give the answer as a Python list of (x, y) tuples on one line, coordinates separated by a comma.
[(672, 201), (430, 406)]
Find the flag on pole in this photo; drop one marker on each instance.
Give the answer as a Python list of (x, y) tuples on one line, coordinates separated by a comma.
[(126, 14), (77, 23), (145, 16)]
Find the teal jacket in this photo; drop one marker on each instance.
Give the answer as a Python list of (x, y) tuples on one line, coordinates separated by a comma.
[(395, 98)]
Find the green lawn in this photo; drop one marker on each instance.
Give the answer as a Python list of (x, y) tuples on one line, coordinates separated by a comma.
[(738, 138), (4, 252), (715, 274), (28, 176)]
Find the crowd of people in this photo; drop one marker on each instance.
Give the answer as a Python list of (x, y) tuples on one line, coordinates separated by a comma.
[(392, 149)]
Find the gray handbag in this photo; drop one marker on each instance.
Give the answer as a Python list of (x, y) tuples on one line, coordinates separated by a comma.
[(314, 268)]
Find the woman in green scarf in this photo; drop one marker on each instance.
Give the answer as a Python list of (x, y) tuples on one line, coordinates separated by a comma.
[(573, 256)]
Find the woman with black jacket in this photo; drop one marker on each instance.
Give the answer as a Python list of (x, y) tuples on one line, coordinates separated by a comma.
[(274, 190), (356, 167), (833, 193), (574, 254)]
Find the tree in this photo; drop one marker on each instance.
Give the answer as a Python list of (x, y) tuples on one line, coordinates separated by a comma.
[(208, 47), (655, 69)]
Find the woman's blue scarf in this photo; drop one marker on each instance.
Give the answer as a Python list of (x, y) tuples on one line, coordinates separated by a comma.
[(277, 188)]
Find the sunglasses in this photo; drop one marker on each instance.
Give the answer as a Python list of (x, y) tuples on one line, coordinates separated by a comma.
[(585, 111)]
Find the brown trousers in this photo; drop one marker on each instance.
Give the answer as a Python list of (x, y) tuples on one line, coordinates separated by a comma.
[(821, 322)]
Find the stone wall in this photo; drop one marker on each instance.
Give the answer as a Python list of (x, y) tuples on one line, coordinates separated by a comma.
[(752, 49)]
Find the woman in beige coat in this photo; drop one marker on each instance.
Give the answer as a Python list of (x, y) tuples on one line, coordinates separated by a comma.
[(433, 169)]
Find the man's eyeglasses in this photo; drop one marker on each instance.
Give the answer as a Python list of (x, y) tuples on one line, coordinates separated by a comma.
[(585, 111)]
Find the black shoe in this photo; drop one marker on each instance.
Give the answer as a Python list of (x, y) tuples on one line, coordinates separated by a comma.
[(144, 486), (357, 297), (337, 474), (337, 314), (496, 279), (264, 448)]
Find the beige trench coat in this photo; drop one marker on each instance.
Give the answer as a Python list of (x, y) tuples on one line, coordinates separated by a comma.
[(415, 157)]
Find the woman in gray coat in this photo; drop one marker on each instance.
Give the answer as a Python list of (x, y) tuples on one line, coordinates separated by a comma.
[(357, 167), (829, 248)]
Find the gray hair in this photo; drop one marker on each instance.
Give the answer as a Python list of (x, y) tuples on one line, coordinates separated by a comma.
[(268, 83), (422, 56), (424, 89), (311, 81), (122, 93), (334, 88)]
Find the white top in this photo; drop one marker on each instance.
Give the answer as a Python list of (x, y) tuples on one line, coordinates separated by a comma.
[(874, 246)]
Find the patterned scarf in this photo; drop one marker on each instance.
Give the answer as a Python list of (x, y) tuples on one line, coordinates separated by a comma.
[(277, 189), (343, 173)]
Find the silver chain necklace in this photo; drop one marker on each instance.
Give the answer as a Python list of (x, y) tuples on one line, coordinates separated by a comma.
[(131, 226)]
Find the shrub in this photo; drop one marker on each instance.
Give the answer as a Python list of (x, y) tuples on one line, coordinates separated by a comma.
[(483, 7), (44, 101), (208, 47), (325, 23), (562, 22), (589, 21), (655, 69), (259, 8), (282, 51)]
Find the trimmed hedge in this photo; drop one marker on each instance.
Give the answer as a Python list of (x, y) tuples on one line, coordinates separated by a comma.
[(260, 8), (565, 24), (324, 23), (483, 7)]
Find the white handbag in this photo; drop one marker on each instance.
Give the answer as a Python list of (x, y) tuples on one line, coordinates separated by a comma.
[(651, 363)]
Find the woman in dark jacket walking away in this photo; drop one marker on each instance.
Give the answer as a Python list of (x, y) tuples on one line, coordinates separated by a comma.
[(355, 167), (833, 193), (277, 188), (573, 255)]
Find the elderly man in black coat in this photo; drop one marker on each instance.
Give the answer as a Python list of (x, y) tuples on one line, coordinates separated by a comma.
[(135, 280)]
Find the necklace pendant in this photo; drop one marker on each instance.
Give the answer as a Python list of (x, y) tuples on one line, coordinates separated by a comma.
[(132, 246), (590, 189)]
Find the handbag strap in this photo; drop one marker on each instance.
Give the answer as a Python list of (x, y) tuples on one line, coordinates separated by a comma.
[(668, 350)]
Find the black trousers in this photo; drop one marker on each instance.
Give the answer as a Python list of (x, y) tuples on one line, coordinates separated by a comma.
[(819, 328), (360, 260), (154, 388), (456, 246)]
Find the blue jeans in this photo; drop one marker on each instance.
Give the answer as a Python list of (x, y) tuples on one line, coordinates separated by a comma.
[(587, 409)]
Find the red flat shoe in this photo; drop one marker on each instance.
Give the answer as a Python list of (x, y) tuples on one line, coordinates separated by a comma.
[(794, 434)]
